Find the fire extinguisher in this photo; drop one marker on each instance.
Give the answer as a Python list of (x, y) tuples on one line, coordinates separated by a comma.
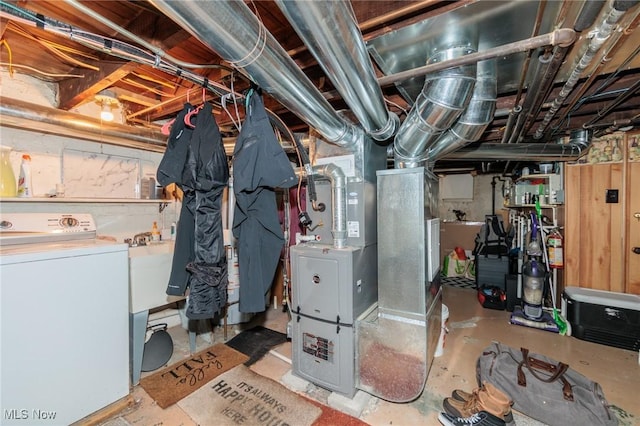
[(554, 244)]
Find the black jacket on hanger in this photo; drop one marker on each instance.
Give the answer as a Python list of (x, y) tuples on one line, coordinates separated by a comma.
[(170, 171), (259, 165), (204, 176)]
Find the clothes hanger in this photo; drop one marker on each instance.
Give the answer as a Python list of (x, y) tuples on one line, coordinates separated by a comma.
[(237, 122), (190, 114), (166, 127), (223, 101)]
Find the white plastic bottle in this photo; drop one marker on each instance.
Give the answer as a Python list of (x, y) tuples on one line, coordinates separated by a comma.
[(24, 179)]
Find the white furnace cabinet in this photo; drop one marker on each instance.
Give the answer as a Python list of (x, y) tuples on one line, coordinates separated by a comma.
[(331, 288), (65, 335)]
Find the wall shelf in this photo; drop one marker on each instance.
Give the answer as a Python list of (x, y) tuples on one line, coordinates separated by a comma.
[(81, 200), (542, 206), (553, 207), (536, 176)]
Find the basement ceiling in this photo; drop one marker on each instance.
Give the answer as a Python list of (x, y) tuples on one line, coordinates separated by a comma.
[(166, 65)]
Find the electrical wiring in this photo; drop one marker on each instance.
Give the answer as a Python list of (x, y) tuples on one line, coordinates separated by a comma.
[(302, 157), (5, 44), (46, 74), (135, 54), (396, 105), (223, 102), (235, 103), (49, 46), (122, 50), (135, 38), (109, 45), (62, 47), (154, 80), (142, 86)]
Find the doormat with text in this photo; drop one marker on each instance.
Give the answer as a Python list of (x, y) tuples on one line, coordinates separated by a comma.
[(178, 380), (242, 397)]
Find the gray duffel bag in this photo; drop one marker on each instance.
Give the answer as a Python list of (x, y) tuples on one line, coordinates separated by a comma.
[(544, 389)]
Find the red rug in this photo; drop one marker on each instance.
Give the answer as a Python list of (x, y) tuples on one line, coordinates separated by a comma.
[(333, 417)]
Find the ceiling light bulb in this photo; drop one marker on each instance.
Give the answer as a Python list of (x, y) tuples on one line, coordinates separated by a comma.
[(106, 114)]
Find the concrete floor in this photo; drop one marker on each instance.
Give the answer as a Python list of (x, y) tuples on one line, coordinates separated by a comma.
[(472, 328)]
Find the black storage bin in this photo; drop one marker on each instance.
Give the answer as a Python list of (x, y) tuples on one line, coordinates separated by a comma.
[(490, 270), (604, 317)]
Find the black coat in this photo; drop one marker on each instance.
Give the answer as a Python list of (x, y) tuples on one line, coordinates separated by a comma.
[(205, 174), (259, 165), (170, 171)]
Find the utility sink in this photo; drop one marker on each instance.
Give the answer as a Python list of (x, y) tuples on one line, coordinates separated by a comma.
[(152, 249), (149, 270)]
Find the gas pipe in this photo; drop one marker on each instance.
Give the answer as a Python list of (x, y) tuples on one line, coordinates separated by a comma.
[(554, 244)]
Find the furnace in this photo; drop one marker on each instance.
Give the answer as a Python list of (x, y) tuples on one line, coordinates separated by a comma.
[(366, 299)]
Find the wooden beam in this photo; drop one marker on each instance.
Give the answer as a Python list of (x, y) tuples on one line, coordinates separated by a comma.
[(135, 98), (3, 27), (74, 92)]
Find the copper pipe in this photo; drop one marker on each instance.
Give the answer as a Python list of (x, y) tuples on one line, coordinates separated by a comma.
[(562, 37), (525, 67)]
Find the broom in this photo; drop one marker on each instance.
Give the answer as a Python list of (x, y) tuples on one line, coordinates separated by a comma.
[(563, 326)]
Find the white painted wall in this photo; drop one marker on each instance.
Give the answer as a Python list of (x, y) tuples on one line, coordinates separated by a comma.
[(118, 220), (479, 206)]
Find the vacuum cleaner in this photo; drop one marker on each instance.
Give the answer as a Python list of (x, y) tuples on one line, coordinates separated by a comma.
[(534, 274)]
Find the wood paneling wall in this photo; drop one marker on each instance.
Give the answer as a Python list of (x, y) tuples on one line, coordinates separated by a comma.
[(594, 231), (632, 197), (600, 236)]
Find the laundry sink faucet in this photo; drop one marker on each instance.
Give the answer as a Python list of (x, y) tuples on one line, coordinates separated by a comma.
[(141, 239)]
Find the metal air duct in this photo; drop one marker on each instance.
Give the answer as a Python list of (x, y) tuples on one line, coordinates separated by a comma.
[(342, 54), (578, 144), (477, 116), (443, 98), (235, 33), (338, 201), (28, 116)]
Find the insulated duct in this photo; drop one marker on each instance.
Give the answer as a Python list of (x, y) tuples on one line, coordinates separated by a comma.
[(338, 201), (342, 54), (597, 41), (28, 116), (477, 116), (235, 33), (443, 98), (578, 144)]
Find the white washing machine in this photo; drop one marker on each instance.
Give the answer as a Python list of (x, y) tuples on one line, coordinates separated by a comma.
[(64, 319)]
